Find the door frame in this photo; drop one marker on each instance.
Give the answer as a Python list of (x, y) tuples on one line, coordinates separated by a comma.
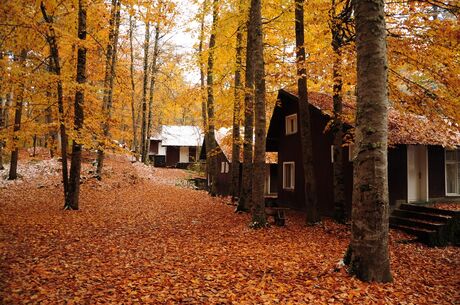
[(423, 194)]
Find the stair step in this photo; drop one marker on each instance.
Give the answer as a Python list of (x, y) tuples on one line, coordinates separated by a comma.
[(421, 216), (416, 223), (428, 210), (423, 234)]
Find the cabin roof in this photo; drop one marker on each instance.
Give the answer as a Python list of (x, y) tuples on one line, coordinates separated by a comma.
[(174, 135), (403, 127)]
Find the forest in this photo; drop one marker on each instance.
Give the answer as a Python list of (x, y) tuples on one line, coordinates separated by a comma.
[(326, 168)]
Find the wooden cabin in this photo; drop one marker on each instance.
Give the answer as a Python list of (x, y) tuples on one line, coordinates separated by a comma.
[(420, 167), (175, 146), (224, 158)]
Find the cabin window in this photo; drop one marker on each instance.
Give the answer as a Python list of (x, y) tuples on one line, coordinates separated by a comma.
[(288, 175), (332, 153), (224, 167), (291, 124), (351, 147), (453, 172)]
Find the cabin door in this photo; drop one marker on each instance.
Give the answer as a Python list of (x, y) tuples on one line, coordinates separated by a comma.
[(417, 173)]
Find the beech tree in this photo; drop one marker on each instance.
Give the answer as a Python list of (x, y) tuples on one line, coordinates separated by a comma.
[(236, 137), (368, 254), (75, 166), (110, 64), (143, 141), (211, 145), (245, 199), (258, 180), (306, 142)]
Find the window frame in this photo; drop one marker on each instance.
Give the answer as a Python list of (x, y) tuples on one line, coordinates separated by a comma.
[(290, 187), (295, 128), (456, 161)]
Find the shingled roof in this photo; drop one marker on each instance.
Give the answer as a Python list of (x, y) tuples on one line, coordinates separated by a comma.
[(403, 127)]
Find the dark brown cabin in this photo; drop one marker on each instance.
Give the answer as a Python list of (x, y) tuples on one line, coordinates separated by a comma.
[(417, 170)]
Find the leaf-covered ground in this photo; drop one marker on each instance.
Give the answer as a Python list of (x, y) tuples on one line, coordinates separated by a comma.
[(141, 236)]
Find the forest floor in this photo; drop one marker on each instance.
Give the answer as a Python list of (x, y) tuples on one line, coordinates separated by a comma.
[(142, 235)]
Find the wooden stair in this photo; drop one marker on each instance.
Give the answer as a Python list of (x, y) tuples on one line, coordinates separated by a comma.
[(434, 227)]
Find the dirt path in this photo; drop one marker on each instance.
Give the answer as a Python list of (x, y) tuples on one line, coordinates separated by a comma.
[(141, 238)]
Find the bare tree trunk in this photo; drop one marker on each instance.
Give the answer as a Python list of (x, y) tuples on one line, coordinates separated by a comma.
[(110, 65), (244, 202), (211, 144), (13, 174), (258, 180), (340, 213), (236, 145), (144, 94), (311, 197), (204, 107), (339, 24), (152, 82), (56, 66), (368, 252), (135, 121), (75, 166), (2, 126)]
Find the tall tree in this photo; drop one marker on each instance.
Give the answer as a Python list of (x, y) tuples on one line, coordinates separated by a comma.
[(72, 201), (110, 65), (340, 23), (2, 125), (13, 174), (258, 180), (204, 107), (368, 252), (236, 143), (244, 202), (211, 144), (134, 116), (55, 63), (153, 75), (143, 141), (306, 143)]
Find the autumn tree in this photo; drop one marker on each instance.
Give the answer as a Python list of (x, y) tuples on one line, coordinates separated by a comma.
[(110, 64), (211, 144), (258, 200), (368, 254), (143, 141), (236, 137), (306, 142), (75, 166), (342, 32), (245, 199)]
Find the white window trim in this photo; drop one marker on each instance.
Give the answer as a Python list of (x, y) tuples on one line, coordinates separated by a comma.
[(332, 154), (351, 155), (227, 167), (292, 186), (445, 170), (287, 119), (224, 167)]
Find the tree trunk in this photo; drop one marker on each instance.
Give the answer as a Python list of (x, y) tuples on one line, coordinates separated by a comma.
[(306, 143), (340, 213), (56, 66), (133, 88), (75, 165), (211, 145), (236, 144), (2, 125), (258, 180), (369, 257), (144, 94), (110, 65), (13, 174), (204, 107), (244, 202), (152, 82)]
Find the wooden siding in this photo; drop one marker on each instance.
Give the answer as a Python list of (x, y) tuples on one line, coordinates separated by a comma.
[(436, 172), (153, 147)]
